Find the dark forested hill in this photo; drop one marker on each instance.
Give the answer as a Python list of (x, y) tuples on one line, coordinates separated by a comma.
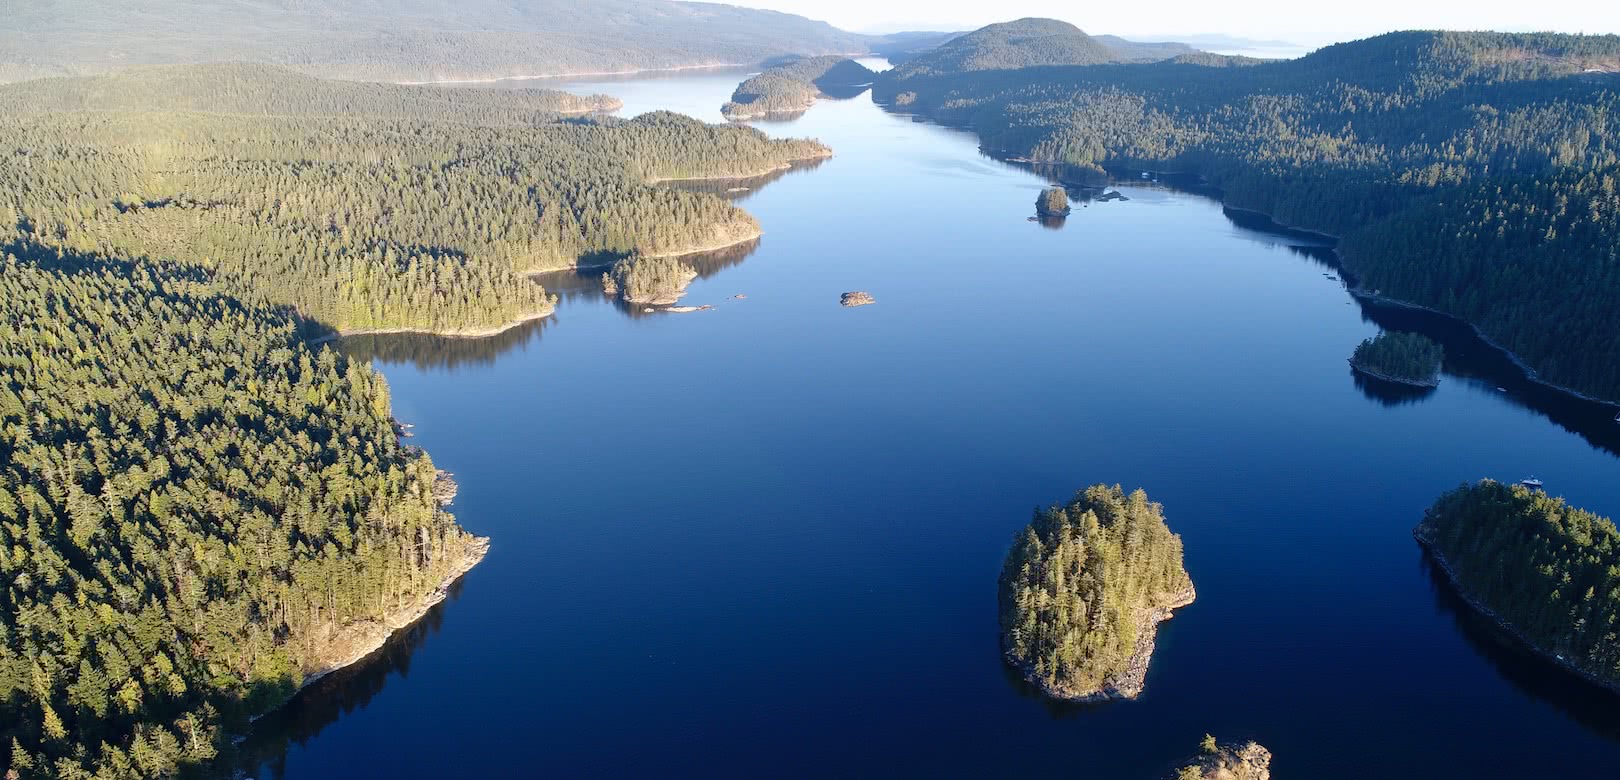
[(363, 206), (1474, 173), (403, 40), (1018, 44)]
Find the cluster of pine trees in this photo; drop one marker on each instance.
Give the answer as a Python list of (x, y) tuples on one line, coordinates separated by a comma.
[(195, 509), (1402, 357), (367, 219), (1079, 584), (1474, 173), (1550, 571), (654, 280)]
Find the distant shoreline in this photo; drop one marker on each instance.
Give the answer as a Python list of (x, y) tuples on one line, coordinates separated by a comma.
[(584, 74)]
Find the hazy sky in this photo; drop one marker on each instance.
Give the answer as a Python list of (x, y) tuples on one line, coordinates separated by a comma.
[(1308, 22)]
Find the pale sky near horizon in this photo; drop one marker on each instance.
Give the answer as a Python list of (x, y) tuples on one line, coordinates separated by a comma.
[(1298, 21)]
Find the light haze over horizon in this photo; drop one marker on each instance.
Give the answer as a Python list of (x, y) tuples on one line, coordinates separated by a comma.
[(1294, 22)]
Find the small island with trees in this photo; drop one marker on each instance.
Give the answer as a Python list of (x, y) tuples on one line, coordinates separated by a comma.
[(1226, 761), (1406, 358), (1083, 590), (1053, 202), (653, 281), (793, 88), (1546, 573)]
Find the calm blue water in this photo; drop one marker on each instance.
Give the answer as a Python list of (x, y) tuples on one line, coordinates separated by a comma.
[(763, 541)]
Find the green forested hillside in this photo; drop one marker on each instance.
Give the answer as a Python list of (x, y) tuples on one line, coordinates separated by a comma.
[(794, 87), (1473, 173), (1080, 587), (403, 40), (196, 512), (368, 219), (1551, 572), (1017, 44)]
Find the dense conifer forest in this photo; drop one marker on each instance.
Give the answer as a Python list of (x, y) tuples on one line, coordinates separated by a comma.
[(1548, 571), (196, 512), (1473, 173), (1400, 357), (1081, 586), (365, 207), (794, 87)]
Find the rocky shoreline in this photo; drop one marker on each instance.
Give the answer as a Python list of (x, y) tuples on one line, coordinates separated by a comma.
[(1424, 539), (449, 334), (368, 637), (822, 155), (1432, 382), (1128, 684)]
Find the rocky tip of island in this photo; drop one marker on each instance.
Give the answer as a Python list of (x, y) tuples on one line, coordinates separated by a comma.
[(1226, 761)]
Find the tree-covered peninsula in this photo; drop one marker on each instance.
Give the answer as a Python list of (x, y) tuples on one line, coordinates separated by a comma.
[(365, 207), (793, 88), (1472, 173), (1083, 590), (197, 514), (1407, 358), (1547, 573)]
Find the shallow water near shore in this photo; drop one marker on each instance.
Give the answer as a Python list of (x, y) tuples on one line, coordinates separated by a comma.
[(763, 540)]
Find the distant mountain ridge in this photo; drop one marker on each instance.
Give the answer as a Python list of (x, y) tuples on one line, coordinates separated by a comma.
[(407, 40)]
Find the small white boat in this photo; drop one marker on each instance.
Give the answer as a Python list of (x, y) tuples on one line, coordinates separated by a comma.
[(1532, 483), (1146, 175)]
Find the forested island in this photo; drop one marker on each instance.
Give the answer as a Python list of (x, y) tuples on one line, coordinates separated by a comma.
[(792, 88), (1407, 358), (197, 514), (654, 281), (1052, 202), (1226, 761), (1546, 573), (365, 207), (1471, 173), (1083, 590)]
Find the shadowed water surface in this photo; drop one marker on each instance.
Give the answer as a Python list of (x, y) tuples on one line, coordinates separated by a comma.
[(763, 540)]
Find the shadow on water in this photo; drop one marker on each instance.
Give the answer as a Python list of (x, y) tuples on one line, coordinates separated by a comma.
[(426, 351), (1587, 704), (1469, 357), (739, 190), (338, 694), (1389, 394)]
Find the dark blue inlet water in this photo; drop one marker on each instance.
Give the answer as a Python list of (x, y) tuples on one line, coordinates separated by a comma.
[(763, 540)]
